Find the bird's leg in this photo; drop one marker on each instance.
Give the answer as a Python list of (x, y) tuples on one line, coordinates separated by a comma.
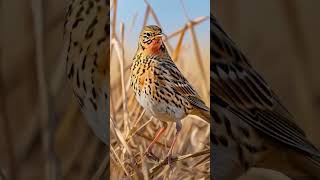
[(148, 151), (178, 128)]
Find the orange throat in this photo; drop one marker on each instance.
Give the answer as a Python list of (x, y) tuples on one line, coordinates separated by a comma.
[(154, 48)]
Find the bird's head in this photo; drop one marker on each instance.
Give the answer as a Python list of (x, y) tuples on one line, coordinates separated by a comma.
[(150, 40)]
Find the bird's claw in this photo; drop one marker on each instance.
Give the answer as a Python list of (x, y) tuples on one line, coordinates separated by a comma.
[(169, 159), (150, 155)]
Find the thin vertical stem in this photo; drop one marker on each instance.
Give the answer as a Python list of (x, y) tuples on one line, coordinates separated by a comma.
[(176, 52), (304, 92), (45, 118), (114, 18), (198, 54), (146, 15)]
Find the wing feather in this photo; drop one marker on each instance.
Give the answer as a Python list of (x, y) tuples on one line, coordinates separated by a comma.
[(238, 86), (181, 86)]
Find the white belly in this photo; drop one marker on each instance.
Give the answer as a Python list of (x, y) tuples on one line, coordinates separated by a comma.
[(160, 110)]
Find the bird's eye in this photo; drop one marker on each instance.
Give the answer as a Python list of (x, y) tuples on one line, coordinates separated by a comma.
[(148, 34)]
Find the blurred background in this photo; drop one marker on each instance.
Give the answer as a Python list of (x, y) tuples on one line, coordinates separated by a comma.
[(280, 39), (172, 16), (42, 132), (131, 130)]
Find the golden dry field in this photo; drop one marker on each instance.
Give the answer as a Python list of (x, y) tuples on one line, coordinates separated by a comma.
[(131, 129)]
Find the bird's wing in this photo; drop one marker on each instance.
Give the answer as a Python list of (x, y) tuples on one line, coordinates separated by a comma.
[(238, 87), (180, 85), (86, 52)]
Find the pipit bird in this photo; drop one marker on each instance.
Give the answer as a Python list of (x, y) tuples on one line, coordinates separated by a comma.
[(251, 128), (86, 32), (159, 86)]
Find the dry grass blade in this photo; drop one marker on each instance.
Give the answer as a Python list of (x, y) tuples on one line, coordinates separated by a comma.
[(164, 173), (145, 171), (122, 37), (119, 160), (184, 10), (120, 137), (113, 113), (207, 158), (163, 163), (194, 22), (176, 52), (146, 16), (153, 14), (133, 22), (119, 103), (141, 127), (120, 54), (45, 116), (140, 117), (198, 54), (114, 19), (133, 130)]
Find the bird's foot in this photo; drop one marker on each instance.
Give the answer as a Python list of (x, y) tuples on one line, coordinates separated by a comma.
[(150, 155), (170, 159)]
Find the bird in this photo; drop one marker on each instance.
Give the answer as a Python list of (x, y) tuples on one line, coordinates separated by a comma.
[(86, 52), (251, 127), (160, 88)]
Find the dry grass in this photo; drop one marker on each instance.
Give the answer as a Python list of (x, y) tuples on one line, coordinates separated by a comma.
[(131, 129), (43, 133)]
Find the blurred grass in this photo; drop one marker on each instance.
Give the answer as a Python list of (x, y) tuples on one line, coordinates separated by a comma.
[(280, 40), (42, 119), (132, 130)]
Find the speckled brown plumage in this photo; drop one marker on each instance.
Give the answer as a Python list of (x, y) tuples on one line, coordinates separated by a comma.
[(159, 86), (86, 33), (251, 128)]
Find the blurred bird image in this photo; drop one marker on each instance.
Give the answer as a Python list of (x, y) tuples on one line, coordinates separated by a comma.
[(87, 61), (159, 86), (251, 128)]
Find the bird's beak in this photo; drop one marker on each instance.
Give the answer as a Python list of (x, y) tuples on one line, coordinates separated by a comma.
[(159, 36)]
